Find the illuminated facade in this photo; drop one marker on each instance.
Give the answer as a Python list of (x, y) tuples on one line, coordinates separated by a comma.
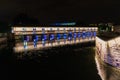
[(57, 32), (40, 37), (105, 71), (109, 50)]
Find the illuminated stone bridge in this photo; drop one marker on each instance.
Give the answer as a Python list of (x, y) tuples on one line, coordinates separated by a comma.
[(36, 38)]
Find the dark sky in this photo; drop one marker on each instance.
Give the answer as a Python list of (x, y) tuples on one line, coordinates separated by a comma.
[(60, 10)]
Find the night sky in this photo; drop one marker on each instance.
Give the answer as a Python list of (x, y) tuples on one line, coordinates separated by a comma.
[(62, 10)]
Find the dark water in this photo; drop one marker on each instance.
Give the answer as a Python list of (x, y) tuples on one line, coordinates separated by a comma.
[(61, 63)]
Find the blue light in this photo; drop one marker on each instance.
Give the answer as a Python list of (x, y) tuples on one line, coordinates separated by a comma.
[(83, 34), (65, 36), (75, 35), (28, 38), (44, 37), (25, 38), (52, 37), (70, 36), (72, 23), (79, 35), (35, 43), (88, 34), (65, 24), (58, 36), (37, 38), (94, 33)]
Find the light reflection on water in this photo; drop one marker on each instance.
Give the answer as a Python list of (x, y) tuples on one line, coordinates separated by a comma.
[(68, 62), (106, 72), (19, 47)]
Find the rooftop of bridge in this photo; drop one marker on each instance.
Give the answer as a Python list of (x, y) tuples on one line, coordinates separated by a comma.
[(52, 26)]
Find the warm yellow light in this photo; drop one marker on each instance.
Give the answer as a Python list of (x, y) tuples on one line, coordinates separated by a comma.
[(20, 48)]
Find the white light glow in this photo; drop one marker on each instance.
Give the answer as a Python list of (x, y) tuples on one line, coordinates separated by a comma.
[(109, 51), (20, 48)]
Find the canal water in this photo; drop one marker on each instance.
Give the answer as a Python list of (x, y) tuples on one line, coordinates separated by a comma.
[(72, 62)]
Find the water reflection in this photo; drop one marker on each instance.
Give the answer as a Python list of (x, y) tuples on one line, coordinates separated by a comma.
[(106, 71), (29, 46)]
